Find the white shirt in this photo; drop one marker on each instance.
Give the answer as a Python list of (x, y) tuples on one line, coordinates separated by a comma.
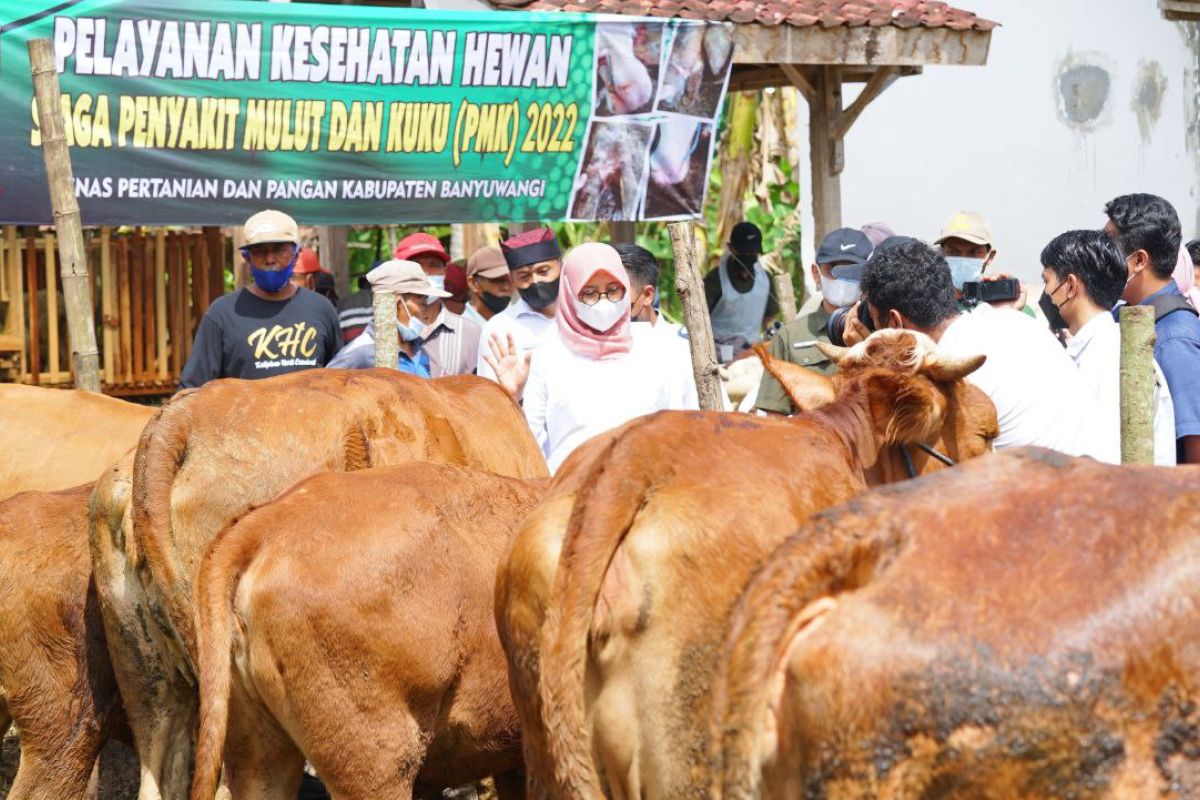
[(571, 398), (521, 320), (1040, 397), (1096, 349)]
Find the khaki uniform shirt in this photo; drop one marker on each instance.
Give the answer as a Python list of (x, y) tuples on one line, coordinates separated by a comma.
[(795, 342)]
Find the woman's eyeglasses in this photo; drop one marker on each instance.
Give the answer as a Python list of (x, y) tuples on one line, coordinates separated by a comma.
[(589, 295)]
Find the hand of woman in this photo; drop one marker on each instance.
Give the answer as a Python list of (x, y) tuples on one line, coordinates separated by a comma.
[(509, 364)]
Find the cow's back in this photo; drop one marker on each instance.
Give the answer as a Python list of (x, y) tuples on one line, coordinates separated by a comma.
[(212, 455), (58, 438), (1025, 626)]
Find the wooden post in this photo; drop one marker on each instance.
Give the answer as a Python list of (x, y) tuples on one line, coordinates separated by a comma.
[(335, 255), (622, 232), (53, 363), (785, 293), (825, 151), (690, 287), (214, 244), (35, 333), (1137, 384), (387, 338), (81, 327)]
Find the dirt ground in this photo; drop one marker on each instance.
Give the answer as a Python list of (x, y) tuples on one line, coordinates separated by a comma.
[(118, 769)]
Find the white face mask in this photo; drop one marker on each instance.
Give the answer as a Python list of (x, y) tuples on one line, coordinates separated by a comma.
[(603, 314), (839, 292)]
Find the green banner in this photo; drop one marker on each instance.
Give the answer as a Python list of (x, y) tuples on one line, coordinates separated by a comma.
[(203, 113)]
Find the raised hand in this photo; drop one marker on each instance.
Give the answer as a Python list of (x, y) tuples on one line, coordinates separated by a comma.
[(509, 363)]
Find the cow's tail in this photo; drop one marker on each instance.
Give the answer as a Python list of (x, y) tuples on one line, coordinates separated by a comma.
[(161, 451), (818, 562), (220, 572), (604, 511)]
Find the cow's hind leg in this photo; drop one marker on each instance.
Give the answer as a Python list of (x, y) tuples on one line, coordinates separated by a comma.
[(261, 762), (63, 776)]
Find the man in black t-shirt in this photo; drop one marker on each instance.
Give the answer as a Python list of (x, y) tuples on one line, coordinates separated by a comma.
[(270, 327)]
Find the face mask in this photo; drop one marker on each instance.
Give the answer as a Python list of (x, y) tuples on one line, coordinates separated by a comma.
[(1053, 315), (540, 295), (410, 331), (272, 281), (746, 267), (495, 302), (602, 315), (839, 292), (964, 269)]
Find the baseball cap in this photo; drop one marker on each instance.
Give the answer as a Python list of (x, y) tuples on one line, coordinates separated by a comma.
[(456, 282), (746, 238), (845, 246), (402, 277), (877, 232), (968, 226), (418, 244), (487, 262), (268, 227), (307, 262)]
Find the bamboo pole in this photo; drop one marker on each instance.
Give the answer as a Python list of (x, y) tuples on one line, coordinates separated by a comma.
[(387, 339), (108, 304), (53, 363), (1137, 384), (160, 301), (81, 327), (785, 293), (690, 286)]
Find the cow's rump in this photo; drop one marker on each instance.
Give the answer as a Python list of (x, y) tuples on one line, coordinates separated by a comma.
[(1023, 626)]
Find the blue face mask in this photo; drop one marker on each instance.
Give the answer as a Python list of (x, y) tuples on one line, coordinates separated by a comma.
[(271, 281), (964, 270), (410, 331)]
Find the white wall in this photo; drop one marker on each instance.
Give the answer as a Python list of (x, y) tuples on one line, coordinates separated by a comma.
[(994, 139)]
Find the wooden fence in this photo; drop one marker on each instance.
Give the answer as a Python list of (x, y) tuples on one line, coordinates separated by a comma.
[(150, 289)]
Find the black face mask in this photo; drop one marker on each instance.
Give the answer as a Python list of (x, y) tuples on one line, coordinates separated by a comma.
[(495, 302), (540, 295), (1053, 315)]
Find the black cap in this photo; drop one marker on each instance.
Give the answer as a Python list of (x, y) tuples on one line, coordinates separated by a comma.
[(746, 238)]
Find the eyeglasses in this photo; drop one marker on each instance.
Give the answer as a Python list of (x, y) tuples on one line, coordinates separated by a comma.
[(589, 295)]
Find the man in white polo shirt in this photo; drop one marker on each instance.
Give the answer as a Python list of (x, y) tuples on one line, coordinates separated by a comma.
[(1039, 395), (535, 262)]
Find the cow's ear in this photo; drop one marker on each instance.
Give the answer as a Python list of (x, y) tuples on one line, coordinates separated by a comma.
[(808, 389), (905, 409)]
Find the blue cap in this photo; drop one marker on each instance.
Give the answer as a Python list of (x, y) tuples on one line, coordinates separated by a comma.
[(845, 246)]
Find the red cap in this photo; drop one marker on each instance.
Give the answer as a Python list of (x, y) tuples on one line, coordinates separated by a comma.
[(307, 262), (419, 244), (456, 282)]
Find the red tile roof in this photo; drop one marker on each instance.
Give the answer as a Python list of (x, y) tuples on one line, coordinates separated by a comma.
[(826, 13)]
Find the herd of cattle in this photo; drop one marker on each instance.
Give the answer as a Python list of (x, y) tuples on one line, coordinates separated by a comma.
[(388, 586)]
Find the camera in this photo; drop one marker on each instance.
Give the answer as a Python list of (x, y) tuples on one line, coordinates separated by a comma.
[(837, 322), (976, 292)]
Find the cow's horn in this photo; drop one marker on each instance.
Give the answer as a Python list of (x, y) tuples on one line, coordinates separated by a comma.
[(833, 352), (951, 368)]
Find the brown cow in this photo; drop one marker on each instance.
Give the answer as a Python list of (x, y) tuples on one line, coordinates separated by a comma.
[(58, 438), (350, 622), (1025, 626), (212, 454), (611, 646), (56, 681)]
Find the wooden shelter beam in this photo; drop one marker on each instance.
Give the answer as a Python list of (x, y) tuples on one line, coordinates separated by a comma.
[(881, 80), (800, 81), (863, 45), (825, 157)]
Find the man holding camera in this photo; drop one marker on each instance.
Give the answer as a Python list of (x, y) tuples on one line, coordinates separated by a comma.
[(1039, 395), (836, 273)]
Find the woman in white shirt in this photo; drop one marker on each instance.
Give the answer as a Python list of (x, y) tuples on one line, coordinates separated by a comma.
[(596, 370)]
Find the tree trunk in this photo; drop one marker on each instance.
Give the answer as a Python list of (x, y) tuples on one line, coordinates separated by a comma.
[(1137, 385), (690, 287), (387, 343)]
